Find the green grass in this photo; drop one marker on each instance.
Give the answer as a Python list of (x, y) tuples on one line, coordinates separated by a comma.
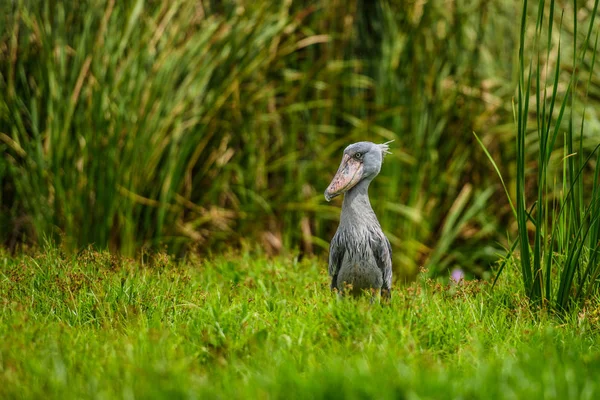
[(152, 124), (98, 326)]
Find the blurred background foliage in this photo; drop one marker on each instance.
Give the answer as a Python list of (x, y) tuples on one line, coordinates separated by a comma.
[(203, 125)]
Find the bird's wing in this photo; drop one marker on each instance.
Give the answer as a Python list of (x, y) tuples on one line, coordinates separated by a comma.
[(336, 255), (383, 255)]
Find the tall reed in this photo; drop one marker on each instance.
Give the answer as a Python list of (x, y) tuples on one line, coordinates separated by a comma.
[(209, 124), (558, 208)]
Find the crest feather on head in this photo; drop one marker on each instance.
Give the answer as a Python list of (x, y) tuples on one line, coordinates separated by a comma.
[(385, 148)]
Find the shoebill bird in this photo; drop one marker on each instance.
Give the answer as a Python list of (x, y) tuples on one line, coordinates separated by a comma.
[(360, 256)]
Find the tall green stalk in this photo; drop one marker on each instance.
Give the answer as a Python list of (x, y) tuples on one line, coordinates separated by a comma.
[(558, 267)]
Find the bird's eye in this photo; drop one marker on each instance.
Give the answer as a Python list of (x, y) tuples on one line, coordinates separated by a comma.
[(358, 156)]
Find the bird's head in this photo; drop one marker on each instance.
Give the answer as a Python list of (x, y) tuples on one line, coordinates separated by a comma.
[(360, 161)]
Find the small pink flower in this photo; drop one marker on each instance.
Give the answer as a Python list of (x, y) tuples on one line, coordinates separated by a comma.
[(457, 275)]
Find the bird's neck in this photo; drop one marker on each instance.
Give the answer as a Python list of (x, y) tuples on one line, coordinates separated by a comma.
[(356, 206)]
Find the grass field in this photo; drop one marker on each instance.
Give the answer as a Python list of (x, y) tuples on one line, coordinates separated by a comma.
[(205, 128), (243, 326)]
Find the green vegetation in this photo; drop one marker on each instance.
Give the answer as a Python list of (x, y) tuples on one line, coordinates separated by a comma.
[(561, 266), (138, 127), (202, 125), (97, 326)]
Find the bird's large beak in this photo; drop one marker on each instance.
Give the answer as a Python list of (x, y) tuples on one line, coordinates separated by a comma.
[(348, 175)]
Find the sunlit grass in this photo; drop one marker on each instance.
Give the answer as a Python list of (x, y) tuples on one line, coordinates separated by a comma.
[(98, 326)]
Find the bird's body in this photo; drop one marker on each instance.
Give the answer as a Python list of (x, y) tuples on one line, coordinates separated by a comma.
[(360, 255)]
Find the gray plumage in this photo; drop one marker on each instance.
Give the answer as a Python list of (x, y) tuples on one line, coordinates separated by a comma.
[(359, 254)]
